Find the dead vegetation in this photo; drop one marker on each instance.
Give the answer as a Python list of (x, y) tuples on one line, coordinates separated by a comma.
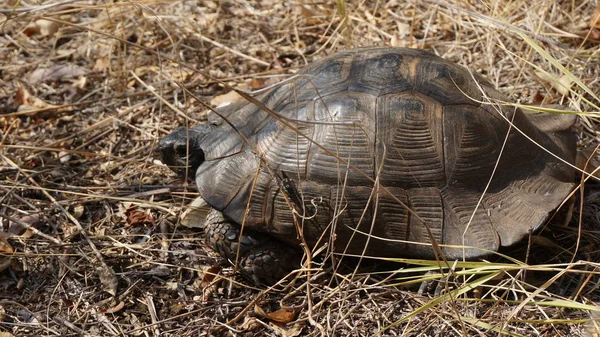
[(91, 242)]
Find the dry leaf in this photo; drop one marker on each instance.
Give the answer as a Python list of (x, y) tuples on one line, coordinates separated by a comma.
[(258, 83), (6, 334), (395, 42), (284, 331), (308, 11), (64, 156), (21, 226), (561, 84), (108, 279), (27, 101), (249, 324), (42, 27), (283, 315), (102, 64), (115, 309), (2, 319), (136, 217), (208, 282), (595, 20), (537, 98), (594, 35), (77, 210), (69, 229), (80, 82), (209, 275), (564, 85), (56, 73), (207, 20), (195, 215), (402, 38), (590, 31), (5, 247), (225, 99)]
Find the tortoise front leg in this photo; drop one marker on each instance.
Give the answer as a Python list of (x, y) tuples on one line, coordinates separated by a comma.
[(261, 257)]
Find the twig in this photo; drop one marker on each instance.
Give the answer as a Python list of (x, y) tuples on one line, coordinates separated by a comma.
[(35, 8)]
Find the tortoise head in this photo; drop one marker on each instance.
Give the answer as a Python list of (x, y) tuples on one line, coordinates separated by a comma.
[(181, 151)]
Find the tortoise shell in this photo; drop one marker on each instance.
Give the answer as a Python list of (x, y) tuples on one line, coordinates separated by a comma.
[(381, 151)]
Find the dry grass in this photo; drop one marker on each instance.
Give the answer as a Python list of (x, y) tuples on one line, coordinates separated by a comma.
[(91, 243)]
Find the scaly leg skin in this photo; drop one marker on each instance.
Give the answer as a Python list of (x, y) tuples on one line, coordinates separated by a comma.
[(262, 258), (441, 285)]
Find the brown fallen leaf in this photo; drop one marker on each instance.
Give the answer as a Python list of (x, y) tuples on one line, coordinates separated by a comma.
[(538, 97), (225, 99), (42, 27), (209, 275), (136, 217), (590, 31), (595, 20), (115, 309), (5, 247), (594, 35), (102, 64), (258, 83), (283, 315), (208, 283), (27, 101)]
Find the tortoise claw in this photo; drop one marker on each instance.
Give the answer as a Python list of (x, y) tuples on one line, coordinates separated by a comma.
[(261, 258)]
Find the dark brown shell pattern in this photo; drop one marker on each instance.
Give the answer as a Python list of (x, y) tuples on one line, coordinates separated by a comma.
[(373, 150)]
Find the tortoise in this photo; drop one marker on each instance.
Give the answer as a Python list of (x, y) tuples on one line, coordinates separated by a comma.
[(386, 152)]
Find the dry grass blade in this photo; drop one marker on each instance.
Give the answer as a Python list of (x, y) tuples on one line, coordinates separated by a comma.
[(442, 299), (562, 69)]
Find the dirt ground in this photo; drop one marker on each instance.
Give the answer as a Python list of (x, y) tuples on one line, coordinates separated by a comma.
[(91, 238)]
